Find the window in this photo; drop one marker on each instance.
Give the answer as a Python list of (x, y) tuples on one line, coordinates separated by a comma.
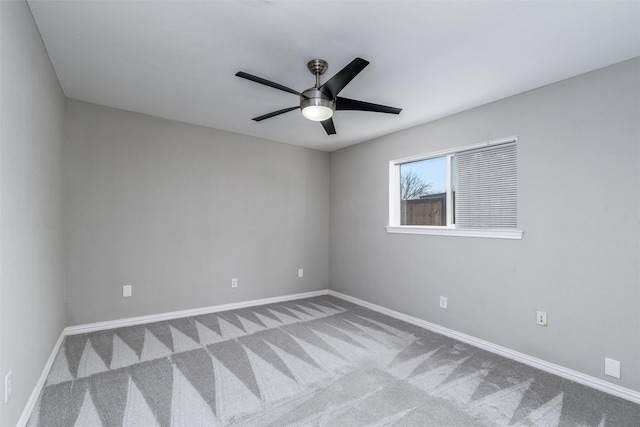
[(467, 191), (423, 192)]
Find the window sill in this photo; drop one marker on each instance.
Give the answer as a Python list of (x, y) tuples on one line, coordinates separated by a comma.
[(457, 232)]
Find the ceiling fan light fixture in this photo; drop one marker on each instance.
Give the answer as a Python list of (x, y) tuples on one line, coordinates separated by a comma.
[(315, 106), (317, 113)]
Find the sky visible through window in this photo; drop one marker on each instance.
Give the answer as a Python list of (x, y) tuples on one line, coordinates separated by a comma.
[(432, 171)]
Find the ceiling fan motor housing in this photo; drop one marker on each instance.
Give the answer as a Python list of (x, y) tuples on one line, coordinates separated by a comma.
[(313, 97)]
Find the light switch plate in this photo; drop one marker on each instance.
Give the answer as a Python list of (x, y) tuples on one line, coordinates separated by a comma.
[(127, 291)]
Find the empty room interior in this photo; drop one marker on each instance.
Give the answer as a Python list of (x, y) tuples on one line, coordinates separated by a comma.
[(455, 242)]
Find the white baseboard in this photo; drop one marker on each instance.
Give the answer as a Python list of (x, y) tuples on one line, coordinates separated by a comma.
[(561, 371), (33, 398), (99, 326)]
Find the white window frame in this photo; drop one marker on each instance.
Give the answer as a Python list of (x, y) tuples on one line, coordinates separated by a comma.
[(450, 229)]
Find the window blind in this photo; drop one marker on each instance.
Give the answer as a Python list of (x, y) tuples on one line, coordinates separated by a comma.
[(486, 191)]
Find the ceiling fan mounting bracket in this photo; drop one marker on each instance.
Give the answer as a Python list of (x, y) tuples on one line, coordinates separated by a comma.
[(317, 66)]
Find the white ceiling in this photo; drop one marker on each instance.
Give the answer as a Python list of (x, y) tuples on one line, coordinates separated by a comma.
[(177, 59)]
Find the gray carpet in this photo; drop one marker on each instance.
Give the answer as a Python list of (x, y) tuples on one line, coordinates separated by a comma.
[(317, 361)]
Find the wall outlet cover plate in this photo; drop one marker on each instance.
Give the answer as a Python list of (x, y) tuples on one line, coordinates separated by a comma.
[(443, 302), (612, 367), (541, 318), (8, 387)]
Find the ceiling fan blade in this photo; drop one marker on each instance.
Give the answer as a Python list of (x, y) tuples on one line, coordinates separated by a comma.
[(265, 82), (335, 84), (354, 104), (329, 127), (275, 113)]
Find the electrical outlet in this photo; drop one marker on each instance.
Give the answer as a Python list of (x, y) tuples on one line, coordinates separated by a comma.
[(7, 387), (443, 302), (612, 367), (541, 318), (127, 291), (234, 283), (300, 272)]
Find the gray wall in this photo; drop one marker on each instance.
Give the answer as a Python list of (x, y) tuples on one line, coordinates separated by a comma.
[(31, 273), (578, 201), (178, 210)]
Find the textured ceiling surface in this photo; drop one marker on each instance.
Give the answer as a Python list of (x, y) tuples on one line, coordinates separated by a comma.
[(177, 59)]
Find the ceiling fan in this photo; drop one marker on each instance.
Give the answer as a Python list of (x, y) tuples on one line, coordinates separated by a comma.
[(321, 101)]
